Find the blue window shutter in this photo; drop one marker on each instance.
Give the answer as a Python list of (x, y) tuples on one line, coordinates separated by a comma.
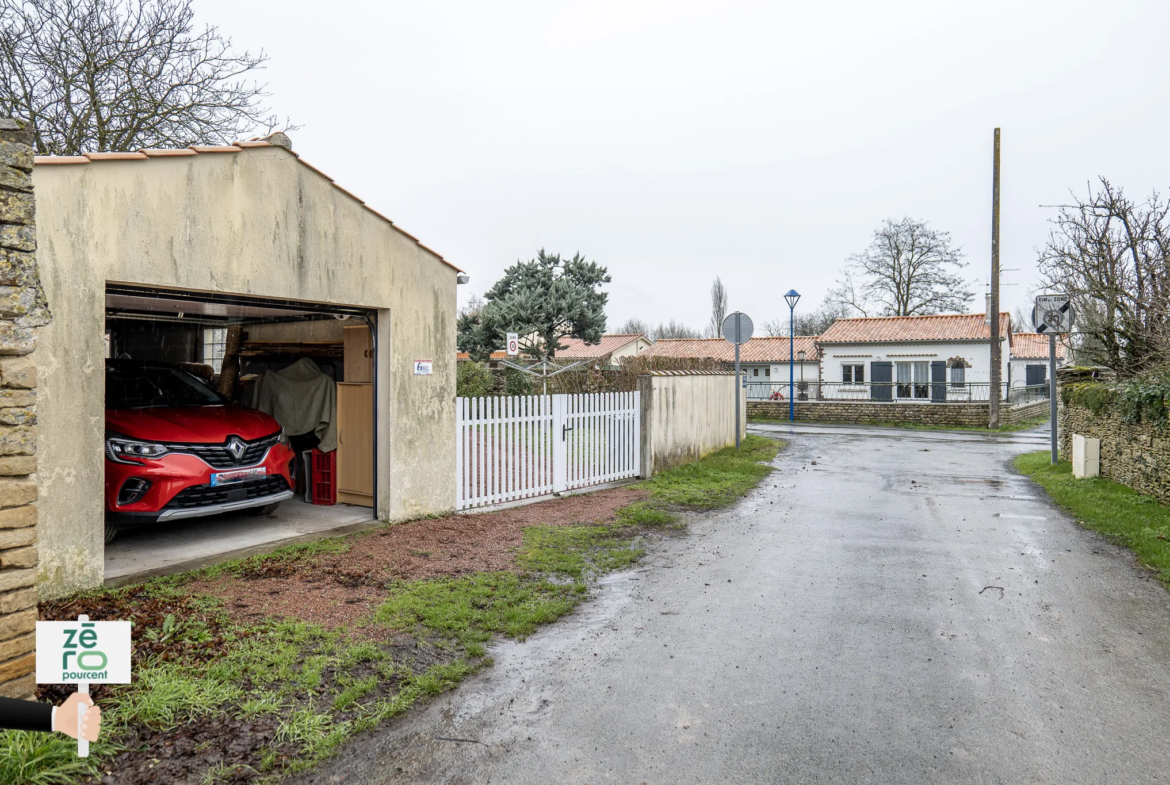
[(881, 378)]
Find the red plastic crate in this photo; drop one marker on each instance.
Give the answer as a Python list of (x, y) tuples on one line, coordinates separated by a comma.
[(324, 477)]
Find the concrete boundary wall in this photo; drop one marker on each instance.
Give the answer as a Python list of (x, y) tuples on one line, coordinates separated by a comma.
[(686, 415), (860, 412), (22, 310)]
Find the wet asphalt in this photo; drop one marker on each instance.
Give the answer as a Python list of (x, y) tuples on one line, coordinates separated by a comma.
[(887, 607)]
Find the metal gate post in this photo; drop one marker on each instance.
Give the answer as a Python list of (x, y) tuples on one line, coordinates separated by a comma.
[(559, 443)]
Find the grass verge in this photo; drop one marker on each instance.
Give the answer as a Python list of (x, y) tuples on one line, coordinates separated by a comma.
[(252, 703), (1117, 511), (1023, 425)]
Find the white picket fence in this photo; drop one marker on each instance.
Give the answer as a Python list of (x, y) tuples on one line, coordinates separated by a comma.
[(517, 447)]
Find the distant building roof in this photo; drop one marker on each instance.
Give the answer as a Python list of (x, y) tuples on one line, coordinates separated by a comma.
[(1034, 346), (907, 329), (757, 350), (576, 349)]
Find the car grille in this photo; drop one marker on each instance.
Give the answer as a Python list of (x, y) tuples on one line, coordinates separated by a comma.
[(206, 495), (218, 457)]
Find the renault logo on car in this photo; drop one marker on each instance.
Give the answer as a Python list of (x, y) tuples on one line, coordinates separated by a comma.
[(236, 447)]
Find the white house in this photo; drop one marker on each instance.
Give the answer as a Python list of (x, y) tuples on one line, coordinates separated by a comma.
[(1030, 358), (764, 361), (938, 358)]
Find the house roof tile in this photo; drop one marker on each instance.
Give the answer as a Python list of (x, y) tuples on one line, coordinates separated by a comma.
[(757, 350), (1034, 346), (908, 329), (575, 348), (199, 149)]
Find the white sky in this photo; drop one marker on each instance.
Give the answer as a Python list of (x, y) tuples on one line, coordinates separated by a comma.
[(673, 140)]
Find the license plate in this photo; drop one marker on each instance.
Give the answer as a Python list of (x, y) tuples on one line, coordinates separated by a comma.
[(239, 475)]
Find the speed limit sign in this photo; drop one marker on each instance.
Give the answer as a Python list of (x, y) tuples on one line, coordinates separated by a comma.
[(1052, 314), (513, 344)]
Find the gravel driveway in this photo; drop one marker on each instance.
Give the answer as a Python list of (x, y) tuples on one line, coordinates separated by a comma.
[(888, 607)]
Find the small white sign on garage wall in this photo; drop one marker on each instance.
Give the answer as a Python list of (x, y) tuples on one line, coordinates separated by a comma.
[(423, 367)]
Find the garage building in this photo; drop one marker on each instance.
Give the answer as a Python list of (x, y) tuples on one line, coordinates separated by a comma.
[(249, 253)]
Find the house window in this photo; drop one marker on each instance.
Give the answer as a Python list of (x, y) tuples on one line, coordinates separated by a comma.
[(768, 372), (755, 371), (214, 343), (958, 375), (913, 380), (853, 374)]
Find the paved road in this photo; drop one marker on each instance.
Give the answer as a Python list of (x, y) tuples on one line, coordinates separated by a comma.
[(886, 608)]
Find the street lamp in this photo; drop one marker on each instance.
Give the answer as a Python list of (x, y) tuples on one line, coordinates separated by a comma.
[(792, 298)]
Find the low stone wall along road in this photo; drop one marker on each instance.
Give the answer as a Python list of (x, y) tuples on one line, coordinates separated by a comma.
[(888, 607)]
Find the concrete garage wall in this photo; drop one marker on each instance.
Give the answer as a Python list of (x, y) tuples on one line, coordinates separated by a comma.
[(686, 415), (250, 220), (22, 310), (860, 412)]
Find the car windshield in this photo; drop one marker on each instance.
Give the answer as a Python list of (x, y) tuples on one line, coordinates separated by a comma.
[(136, 386)]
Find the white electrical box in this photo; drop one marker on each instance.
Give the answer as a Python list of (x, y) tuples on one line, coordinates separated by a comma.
[(1086, 460)]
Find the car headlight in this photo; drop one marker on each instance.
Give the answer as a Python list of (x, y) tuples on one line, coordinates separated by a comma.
[(119, 449), (283, 438)]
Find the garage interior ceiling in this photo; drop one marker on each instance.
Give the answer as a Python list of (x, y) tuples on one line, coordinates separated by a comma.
[(136, 302)]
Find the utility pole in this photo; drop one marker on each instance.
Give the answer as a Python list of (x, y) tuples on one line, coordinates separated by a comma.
[(996, 361)]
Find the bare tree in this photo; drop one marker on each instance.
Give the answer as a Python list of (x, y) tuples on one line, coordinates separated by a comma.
[(112, 75), (1112, 256), (635, 326), (718, 308), (475, 304), (1022, 319), (673, 329), (812, 322), (908, 270)]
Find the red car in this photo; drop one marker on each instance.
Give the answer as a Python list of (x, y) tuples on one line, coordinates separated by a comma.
[(176, 449)]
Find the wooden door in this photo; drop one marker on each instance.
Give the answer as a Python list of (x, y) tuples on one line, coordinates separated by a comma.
[(359, 354), (355, 443)]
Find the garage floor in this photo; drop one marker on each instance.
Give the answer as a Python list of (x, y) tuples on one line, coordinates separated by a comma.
[(157, 550)]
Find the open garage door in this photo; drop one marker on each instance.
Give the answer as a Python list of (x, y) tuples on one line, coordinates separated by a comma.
[(232, 423)]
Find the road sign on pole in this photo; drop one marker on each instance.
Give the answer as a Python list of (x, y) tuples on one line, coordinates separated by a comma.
[(737, 329), (1051, 316), (513, 344)]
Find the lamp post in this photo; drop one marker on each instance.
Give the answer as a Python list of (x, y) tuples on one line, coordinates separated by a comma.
[(791, 298)]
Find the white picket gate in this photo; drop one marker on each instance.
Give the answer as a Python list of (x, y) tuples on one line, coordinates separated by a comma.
[(517, 447)]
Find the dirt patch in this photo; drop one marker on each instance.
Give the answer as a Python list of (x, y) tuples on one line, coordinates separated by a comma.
[(145, 612), (337, 590)]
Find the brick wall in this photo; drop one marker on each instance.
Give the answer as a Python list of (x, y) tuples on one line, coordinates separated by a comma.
[(1133, 454), (22, 310), (861, 412)]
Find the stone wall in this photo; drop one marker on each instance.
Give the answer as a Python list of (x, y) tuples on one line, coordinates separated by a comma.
[(1133, 454), (861, 412), (22, 310)]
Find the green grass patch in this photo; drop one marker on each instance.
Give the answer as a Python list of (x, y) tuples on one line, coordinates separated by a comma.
[(577, 551), (469, 610), (28, 758), (716, 480), (1117, 511), (1022, 425)]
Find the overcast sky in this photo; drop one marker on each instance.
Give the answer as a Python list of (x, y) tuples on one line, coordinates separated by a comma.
[(676, 140)]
